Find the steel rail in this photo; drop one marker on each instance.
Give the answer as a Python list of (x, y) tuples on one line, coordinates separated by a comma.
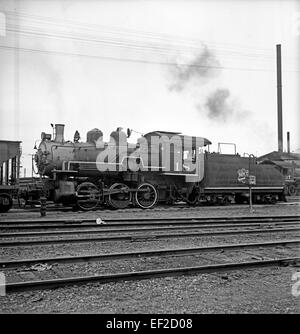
[(142, 221), (101, 229), (146, 253), (139, 275), (138, 237), (23, 228), (162, 208), (147, 219)]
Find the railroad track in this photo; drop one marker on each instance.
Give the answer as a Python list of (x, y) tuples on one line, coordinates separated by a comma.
[(155, 227), (131, 229), (135, 227), (261, 260), (140, 221), (135, 235), (145, 253)]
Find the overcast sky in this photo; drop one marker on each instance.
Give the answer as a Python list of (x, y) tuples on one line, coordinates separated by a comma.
[(204, 68)]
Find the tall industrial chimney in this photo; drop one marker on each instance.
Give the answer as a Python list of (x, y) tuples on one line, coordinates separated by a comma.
[(288, 142), (59, 133), (279, 98)]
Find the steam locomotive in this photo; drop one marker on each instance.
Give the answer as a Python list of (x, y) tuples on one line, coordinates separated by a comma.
[(162, 167)]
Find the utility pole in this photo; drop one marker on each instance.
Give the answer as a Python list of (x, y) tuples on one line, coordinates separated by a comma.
[(250, 184), (288, 142), (279, 97), (245, 176)]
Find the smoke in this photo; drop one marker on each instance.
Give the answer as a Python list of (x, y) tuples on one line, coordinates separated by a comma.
[(201, 74), (218, 104), (198, 71)]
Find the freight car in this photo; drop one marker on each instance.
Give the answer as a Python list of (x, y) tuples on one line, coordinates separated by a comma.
[(162, 167), (289, 165), (10, 152)]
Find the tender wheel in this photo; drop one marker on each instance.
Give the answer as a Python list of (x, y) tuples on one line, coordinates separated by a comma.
[(286, 190), (292, 190), (121, 198), (5, 202), (146, 196), (239, 199), (22, 203), (22, 200), (193, 199), (226, 200), (88, 196)]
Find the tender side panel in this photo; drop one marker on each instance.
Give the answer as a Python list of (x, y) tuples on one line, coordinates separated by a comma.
[(221, 173)]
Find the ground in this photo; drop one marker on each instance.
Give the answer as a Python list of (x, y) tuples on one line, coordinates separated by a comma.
[(260, 290), (267, 290)]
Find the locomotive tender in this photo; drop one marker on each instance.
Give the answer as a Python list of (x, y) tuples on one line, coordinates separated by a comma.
[(162, 167)]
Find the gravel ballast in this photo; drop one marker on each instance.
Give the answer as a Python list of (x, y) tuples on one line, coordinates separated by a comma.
[(267, 290), (259, 290)]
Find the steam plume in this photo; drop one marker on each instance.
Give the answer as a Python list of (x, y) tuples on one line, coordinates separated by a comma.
[(200, 69), (218, 104)]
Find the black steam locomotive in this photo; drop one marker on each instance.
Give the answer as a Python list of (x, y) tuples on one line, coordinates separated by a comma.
[(162, 167)]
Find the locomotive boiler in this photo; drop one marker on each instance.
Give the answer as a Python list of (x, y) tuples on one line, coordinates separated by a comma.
[(161, 167)]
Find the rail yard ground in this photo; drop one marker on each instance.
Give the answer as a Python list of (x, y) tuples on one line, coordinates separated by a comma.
[(259, 288)]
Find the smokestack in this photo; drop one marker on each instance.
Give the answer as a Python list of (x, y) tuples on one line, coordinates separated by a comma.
[(288, 142), (279, 98), (59, 133)]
